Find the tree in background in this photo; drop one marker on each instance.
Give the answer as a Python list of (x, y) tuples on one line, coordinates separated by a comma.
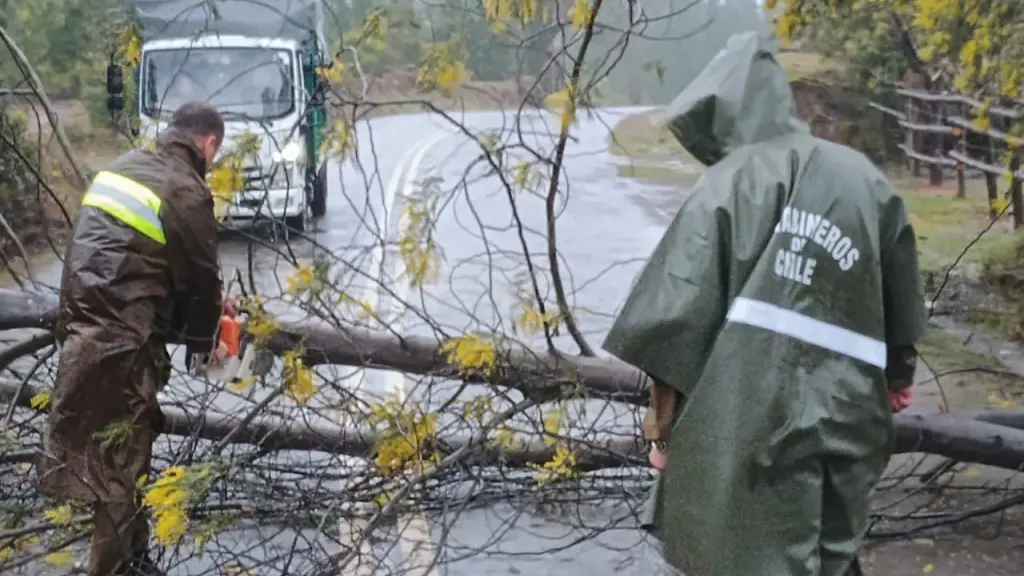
[(971, 46), (68, 41)]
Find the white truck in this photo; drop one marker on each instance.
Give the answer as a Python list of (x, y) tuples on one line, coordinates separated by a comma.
[(256, 61)]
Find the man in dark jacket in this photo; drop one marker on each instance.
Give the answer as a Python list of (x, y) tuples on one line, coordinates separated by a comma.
[(140, 271)]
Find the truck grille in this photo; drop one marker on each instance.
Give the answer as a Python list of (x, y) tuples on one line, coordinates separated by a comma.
[(253, 179)]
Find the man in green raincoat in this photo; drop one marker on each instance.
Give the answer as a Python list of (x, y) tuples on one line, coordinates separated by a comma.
[(777, 317)]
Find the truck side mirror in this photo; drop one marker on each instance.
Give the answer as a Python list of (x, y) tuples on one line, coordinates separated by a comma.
[(115, 79), (115, 88)]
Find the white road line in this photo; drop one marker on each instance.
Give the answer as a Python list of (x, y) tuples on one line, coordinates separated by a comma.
[(371, 294), (351, 529), (414, 537), (372, 290)]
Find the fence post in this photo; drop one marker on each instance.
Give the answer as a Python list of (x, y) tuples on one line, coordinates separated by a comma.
[(912, 138), (935, 145), (992, 183), (961, 147), (1016, 195)]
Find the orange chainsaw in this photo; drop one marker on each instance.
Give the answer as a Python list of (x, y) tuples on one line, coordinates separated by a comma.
[(243, 359)]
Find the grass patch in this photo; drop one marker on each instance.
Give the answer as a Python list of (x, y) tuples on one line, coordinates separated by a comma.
[(969, 381), (659, 174), (807, 66), (988, 282), (946, 225), (941, 347), (644, 135)]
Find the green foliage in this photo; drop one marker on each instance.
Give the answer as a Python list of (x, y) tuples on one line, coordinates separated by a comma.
[(970, 46), (67, 43), (15, 176)]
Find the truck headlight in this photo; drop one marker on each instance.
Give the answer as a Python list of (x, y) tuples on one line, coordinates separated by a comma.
[(290, 153), (283, 176)]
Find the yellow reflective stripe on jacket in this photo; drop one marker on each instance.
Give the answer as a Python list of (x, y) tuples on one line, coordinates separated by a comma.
[(128, 201)]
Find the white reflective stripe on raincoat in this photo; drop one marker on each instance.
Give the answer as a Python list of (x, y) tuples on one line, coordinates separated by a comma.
[(810, 330)]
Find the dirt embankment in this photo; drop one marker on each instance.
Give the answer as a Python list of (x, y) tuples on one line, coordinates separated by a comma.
[(398, 91)]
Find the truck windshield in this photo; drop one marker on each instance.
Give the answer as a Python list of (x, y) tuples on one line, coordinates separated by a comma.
[(249, 82)]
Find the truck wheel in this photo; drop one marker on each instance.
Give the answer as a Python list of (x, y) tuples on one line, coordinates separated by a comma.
[(296, 223), (319, 200)]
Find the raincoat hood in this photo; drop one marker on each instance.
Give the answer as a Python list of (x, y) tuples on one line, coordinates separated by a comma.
[(742, 97)]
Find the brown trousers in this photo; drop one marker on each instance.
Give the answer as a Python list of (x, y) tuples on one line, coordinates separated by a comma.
[(120, 539)]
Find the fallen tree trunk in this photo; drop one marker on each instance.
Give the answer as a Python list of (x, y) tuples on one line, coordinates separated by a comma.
[(278, 434), (994, 438), (534, 373)]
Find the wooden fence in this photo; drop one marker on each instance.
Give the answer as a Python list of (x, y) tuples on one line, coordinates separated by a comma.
[(953, 132)]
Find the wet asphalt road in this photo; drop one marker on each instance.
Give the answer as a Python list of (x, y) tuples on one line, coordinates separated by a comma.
[(606, 226)]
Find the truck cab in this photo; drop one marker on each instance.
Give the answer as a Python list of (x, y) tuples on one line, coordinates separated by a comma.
[(263, 85)]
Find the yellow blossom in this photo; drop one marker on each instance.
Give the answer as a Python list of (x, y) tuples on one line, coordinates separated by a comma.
[(60, 515), (41, 401), (167, 498), (60, 558), (300, 280), (298, 378), (562, 465), (471, 353), (580, 14), (407, 442)]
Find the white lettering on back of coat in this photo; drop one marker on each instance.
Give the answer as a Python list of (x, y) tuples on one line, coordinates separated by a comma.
[(796, 264)]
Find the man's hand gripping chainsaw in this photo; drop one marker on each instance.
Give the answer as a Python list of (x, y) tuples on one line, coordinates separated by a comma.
[(241, 358)]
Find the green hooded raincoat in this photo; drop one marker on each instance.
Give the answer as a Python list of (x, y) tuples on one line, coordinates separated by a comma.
[(769, 304)]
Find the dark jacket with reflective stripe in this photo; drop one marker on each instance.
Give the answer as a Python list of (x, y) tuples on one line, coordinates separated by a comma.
[(131, 285), (119, 278)]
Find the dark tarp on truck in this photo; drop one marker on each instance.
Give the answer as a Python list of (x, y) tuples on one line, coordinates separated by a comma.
[(291, 19)]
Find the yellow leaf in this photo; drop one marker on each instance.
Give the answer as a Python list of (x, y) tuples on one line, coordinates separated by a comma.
[(298, 378), (998, 204), (366, 308), (130, 45), (60, 515), (442, 66), (167, 498), (1001, 402), (562, 465), (552, 426), (301, 280), (408, 441), (382, 499), (60, 558), (171, 525), (563, 102), (261, 326), (556, 101), (41, 401), (241, 384), (580, 14), (471, 353), (506, 438), (332, 72), (928, 568), (531, 321), (416, 246), (340, 141)]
